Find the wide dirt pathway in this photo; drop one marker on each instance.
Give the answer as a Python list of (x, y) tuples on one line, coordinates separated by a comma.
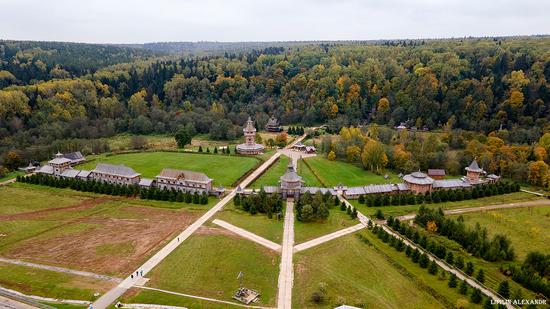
[(61, 270), (248, 235), (456, 211), (286, 274), (328, 237)]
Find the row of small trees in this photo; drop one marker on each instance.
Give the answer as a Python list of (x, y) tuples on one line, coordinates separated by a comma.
[(474, 240), (423, 261), (533, 273), (296, 131), (224, 150), (439, 196), (173, 196), (259, 203), (115, 189), (313, 207), (351, 211)]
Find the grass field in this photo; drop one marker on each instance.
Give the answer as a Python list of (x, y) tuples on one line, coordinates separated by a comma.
[(11, 175), (45, 283), (17, 198), (259, 224), (123, 142), (337, 220), (367, 276), (527, 228), (208, 262), (272, 175), (485, 201), (143, 296), (308, 177), (86, 231), (224, 170), (332, 173), (493, 275)]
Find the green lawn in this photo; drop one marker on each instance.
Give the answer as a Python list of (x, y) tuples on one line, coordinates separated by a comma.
[(11, 175), (259, 224), (485, 201), (337, 220), (527, 228), (366, 276), (224, 170), (307, 175), (143, 296), (272, 175), (493, 276), (18, 198), (207, 265), (52, 284), (332, 173)]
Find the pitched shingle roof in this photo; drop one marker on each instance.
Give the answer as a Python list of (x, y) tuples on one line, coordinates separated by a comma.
[(291, 175), (418, 178), (474, 167), (46, 169), (74, 156), (59, 161), (119, 170), (436, 172), (70, 173)]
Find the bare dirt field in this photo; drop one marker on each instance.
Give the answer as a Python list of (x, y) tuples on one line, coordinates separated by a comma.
[(105, 235)]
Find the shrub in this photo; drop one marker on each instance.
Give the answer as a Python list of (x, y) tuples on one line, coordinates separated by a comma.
[(452, 281), (476, 296)]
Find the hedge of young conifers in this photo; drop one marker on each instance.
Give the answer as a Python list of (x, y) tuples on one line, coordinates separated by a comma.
[(115, 189), (423, 261), (439, 196)]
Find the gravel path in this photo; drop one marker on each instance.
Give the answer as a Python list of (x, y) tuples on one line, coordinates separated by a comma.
[(457, 211), (286, 275), (248, 235), (61, 270), (328, 237)]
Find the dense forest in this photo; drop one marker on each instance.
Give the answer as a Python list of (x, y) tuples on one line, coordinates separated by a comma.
[(56, 92)]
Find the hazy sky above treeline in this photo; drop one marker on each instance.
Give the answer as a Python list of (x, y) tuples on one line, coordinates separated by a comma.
[(139, 21)]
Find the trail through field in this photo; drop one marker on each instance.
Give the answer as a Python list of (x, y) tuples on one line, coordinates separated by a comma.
[(535, 203), (61, 270), (328, 237), (248, 235)]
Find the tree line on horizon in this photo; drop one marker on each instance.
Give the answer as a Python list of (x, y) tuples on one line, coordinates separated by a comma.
[(481, 85)]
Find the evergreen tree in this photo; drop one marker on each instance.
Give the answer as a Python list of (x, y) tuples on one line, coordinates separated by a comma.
[(480, 275), (504, 289), (450, 258), (463, 287), (452, 281), (469, 270), (476, 296), (459, 263), (487, 304), (432, 269), (200, 148), (423, 261)]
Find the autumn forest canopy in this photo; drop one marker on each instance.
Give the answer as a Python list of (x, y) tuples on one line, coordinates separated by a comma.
[(54, 95)]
